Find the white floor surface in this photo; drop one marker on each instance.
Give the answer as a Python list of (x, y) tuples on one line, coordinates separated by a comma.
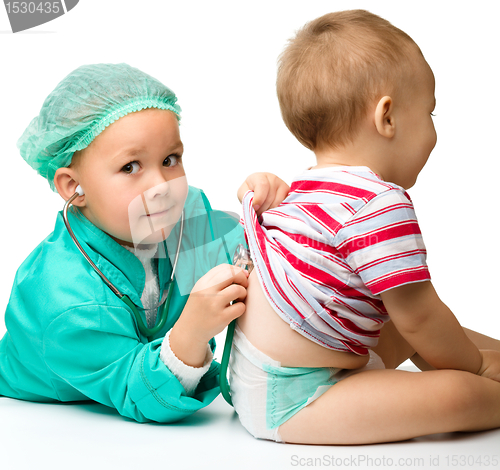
[(91, 436)]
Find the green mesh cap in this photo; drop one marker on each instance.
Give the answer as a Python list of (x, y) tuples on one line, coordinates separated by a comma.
[(81, 106)]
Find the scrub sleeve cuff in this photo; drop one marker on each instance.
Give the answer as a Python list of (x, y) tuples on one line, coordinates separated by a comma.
[(188, 376)]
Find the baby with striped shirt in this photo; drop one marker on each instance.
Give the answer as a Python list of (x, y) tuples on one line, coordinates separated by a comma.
[(340, 294)]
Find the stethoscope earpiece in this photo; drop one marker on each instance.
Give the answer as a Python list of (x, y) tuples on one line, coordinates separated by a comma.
[(79, 190)]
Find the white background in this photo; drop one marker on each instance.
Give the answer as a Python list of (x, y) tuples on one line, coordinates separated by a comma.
[(220, 59)]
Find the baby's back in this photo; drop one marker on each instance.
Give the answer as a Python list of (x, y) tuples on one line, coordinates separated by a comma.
[(321, 259), (274, 337)]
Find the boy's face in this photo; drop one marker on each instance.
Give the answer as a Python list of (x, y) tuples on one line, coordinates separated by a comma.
[(133, 178), (415, 134)]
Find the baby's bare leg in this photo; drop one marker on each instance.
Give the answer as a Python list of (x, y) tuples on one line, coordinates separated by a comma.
[(482, 341), (393, 405)]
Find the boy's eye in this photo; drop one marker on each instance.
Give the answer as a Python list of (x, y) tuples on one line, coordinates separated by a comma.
[(131, 168), (171, 160)]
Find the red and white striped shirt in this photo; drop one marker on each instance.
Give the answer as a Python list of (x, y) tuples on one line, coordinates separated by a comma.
[(340, 238)]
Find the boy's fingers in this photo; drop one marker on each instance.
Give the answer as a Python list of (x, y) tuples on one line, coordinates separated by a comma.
[(220, 277), (235, 292), (234, 311), (228, 274), (241, 278)]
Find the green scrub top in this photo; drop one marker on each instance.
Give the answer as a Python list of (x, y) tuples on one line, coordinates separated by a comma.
[(69, 338)]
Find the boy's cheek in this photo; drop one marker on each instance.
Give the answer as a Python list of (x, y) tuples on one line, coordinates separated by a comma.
[(180, 189), (144, 223)]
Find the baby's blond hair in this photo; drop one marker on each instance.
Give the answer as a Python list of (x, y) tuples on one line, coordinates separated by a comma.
[(334, 68)]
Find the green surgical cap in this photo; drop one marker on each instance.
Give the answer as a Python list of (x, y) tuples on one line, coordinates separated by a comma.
[(81, 106)]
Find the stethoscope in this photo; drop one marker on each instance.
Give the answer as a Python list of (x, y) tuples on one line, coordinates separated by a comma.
[(162, 319), (241, 258)]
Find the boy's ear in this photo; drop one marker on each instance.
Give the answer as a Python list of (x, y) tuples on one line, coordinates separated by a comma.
[(384, 117), (66, 181)]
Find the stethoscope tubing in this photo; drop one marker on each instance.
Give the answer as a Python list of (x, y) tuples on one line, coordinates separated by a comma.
[(82, 251), (241, 258), (148, 332)]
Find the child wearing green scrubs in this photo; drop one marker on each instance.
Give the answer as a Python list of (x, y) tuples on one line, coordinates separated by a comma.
[(113, 131)]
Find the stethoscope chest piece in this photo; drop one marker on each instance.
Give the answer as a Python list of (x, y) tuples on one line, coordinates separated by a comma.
[(242, 259)]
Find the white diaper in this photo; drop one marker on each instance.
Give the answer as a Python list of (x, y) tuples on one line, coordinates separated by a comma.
[(265, 395)]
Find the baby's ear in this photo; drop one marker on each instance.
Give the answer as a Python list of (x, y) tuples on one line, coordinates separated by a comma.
[(384, 118), (66, 182)]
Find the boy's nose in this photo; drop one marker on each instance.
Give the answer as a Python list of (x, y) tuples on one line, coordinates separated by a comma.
[(156, 185), (158, 190)]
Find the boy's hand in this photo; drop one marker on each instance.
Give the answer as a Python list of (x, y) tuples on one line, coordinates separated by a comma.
[(269, 191), (208, 311), (490, 367)]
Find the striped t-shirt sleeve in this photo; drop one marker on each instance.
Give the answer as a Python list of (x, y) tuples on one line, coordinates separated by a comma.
[(383, 244)]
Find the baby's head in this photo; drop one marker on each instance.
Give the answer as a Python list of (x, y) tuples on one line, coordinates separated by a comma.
[(113, 130), (335, 68)]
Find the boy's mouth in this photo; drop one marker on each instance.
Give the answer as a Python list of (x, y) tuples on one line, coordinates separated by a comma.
[(157, 214)]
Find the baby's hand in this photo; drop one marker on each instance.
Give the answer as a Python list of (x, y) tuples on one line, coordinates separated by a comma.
[(208, 311), (490, 367), (269, 191)]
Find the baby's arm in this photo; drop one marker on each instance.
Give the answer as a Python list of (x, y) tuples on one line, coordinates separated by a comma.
[(431, 327)]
